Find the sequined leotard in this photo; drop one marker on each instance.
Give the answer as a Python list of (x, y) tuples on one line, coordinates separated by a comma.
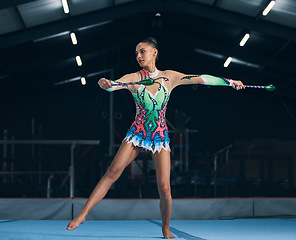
[(149, 130)]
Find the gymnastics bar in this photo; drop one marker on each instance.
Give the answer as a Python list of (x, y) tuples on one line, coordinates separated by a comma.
[(216, 155), (72, 144), (180, 132)]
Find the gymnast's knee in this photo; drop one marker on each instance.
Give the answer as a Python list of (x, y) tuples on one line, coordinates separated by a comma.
[(113, 173), (164, 191)]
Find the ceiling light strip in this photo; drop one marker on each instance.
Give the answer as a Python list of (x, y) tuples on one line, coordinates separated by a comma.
[(51, 36), (268, 8), (83, 81), (67, 81), (65, 6), (73, 38), (244, 40), (227, 62), (93, 25), (78, 61)]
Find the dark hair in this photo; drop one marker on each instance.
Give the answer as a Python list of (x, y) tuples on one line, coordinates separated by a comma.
[(152, 42)]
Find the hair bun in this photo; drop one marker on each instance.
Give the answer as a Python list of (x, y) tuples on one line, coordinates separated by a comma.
[(153, 40)]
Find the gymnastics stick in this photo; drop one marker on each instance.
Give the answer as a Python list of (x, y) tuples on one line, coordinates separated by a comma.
[(268, 87), (150, 81), (146, 82)]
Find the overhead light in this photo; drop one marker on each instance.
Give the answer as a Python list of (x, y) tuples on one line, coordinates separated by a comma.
[(65, 6), (93, 74), (268, 8), (158, 14), (83, 80), (228, 61), (244, 40), (220, 56), (78, 61), (73, 38)]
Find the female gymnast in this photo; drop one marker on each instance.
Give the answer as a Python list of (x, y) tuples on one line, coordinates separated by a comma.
[(149, 130)]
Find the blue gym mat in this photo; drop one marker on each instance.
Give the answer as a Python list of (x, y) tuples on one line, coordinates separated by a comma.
[(236, 229)]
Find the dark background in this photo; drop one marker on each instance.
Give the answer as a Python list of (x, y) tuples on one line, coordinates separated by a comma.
[(194, 37)]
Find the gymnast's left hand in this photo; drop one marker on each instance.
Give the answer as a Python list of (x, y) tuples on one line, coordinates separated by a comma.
[(238, 85)]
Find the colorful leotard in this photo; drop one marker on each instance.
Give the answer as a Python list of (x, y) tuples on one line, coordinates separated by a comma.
[(149, 130)]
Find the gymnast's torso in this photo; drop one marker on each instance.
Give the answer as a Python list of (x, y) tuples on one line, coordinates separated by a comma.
[(149, 129)]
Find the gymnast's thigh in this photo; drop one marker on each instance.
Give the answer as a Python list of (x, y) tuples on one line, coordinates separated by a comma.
[(125, 155)]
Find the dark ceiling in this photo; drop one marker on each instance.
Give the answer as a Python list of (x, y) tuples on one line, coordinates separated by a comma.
[(197, 36)]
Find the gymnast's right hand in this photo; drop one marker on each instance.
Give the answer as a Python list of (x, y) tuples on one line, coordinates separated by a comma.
[(105, 83)]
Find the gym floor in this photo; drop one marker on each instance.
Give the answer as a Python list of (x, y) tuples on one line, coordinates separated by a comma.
[(227, 229)]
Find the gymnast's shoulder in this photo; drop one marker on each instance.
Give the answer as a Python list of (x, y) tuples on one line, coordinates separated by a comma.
[(172, 74), (130, 77)]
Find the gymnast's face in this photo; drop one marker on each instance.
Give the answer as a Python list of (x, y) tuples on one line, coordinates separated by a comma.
[(145, 54)]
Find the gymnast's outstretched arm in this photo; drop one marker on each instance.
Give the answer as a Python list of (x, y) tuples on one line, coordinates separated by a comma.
[(108, 85), (204, 79)]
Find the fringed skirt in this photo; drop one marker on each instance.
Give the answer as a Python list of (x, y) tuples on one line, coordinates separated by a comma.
[(146, 142)]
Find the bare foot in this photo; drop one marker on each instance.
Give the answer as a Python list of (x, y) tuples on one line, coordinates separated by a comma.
[(75, 222), (167, 233)]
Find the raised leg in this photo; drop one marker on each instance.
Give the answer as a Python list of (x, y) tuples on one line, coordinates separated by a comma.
[(162, 164), (125, 155)]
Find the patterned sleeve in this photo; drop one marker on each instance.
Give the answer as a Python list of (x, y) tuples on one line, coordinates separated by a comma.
[(121, 82), (205, 79)]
